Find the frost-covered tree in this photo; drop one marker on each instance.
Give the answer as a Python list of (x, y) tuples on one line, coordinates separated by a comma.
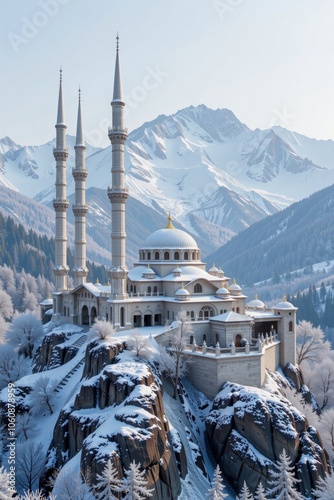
[(3, 329), (320, 378), (297, 400), (140, 344), (101, 329), (35, 495), (72, 485), (260, 493), (134, 484), (311, 343), (7, 279), (216, 492), (25, 333), (43, 392), (175, 363), (244, 494), (283, 481), (6, 305), (326, 430), (13, 366), (6, 490), (29, 465), (325, 488), (108, 483)]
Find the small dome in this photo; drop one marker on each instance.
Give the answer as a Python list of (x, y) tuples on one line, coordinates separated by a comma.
[(235, 287), (256, 303), (177, 271), (222, 292), (148, 273), (182, 294), (284, 305), (214, 270)]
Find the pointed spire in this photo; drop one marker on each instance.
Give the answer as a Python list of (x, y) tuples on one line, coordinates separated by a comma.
[(118, 93), (169, 224), (60, 115), (79, 138)]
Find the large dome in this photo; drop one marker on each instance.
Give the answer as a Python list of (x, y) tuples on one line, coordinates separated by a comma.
[(170, 239)]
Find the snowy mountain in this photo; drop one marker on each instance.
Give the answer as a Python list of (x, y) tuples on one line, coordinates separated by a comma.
[(203, 164)]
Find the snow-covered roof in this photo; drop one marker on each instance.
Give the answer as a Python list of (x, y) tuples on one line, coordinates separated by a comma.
[(285, 305), (95, 289), (231, 317), (46, 302), (175, 239)]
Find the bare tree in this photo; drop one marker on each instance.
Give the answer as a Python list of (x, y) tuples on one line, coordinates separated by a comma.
[(43, 392), (140, 344), (326, 429), (24, 333), (24, 425), (101, 329), (29, 465), (175, 362), (311, 345), (6, 305)]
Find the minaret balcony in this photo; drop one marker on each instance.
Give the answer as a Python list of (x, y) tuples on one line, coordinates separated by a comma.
[(79, 209), (60, 203), (79, 173), (117, 134), (117, 193), (60, 154)]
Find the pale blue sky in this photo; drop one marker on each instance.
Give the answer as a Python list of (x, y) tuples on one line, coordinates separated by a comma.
[(269, 61)]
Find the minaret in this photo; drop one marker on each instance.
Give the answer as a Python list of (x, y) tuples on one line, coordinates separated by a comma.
[(117, 193), (60, 202), (80, 208)]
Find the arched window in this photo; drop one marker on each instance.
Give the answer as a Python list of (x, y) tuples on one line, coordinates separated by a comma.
[(206, 312), (111, 315), (204, 337), (64, 310), (217, 337), (122, 317), (176, 256), (192, 316), (155, 289), (238, 310), (186, 256), (166, 256), (191, 339), (134, 289), (221, 311), (156, 256), (198, 288), (193, 256), (148, 255), (149, 289), (290, 326)]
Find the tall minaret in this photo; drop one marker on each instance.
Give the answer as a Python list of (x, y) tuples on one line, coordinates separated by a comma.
[(60, 203), (80, 208), (117, 193)]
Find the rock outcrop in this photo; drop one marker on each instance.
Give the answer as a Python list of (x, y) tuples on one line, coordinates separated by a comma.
[(118, 412), (248, 429)]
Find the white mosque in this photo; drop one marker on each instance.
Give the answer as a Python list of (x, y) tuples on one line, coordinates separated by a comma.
[(169, 277)]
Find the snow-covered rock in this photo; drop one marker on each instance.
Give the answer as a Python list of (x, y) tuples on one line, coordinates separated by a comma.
[(249, 428)]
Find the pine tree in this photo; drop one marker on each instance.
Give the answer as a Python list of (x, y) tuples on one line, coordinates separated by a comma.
[(325, 488), (216, 492), (260, 493), (134, 484), (283, 481), (245, 494), (108, 482), (5, 490)]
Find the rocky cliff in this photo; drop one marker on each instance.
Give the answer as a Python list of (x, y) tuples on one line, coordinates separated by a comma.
[(248, 429), (118, 412)]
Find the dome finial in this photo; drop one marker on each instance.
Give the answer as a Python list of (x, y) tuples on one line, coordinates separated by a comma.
[(284, 298), (169, 224)]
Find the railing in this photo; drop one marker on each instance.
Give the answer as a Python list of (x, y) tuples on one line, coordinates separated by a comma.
[(147, 294)]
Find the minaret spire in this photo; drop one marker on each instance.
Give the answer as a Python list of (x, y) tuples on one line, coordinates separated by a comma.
[(60, 202), (118, 193), (80, 208)]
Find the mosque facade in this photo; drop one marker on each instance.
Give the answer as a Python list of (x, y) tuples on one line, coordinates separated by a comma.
[(169, 276)]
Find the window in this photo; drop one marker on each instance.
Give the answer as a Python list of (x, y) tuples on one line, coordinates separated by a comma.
[(193, 256), (166, 256), (148, 255), (155, 289), (149, 289), (238, 310), (176, 256), (122, 317), (156, 256), (198, 288), (191, 339), (186, 256), (204, 337), (192, 316), (290, 326)]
